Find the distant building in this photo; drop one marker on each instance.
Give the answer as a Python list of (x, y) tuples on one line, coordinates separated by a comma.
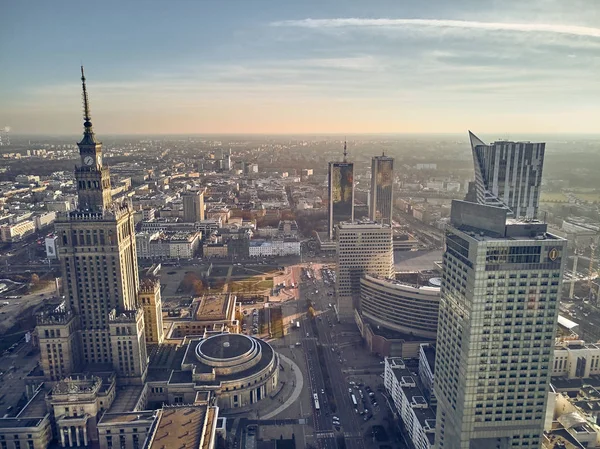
[(15, 232), (193, 206), (382, 186), (341, 193), (509, 175)]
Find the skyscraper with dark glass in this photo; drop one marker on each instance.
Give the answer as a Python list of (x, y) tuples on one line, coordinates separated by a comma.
[(508, 175), (341, 193), (382, 184)]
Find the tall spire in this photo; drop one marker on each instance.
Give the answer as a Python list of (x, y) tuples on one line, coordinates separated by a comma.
[(345, 151), (88, 132)]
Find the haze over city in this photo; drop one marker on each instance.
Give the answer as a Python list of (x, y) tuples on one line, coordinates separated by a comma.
[(302, 67)]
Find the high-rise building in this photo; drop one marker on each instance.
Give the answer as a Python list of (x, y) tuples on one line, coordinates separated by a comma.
[(96, 248), (193, 206), (363, 248), (382, 183), (341, 193), (498, 311), (508, 175)]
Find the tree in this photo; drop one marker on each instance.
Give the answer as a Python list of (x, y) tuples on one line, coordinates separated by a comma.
[(35, 279), (198, 287)]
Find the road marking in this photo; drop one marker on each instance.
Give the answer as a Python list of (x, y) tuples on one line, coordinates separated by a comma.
[(325, 435)]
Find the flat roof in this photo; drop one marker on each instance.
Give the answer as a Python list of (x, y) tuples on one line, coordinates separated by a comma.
[(179, 427), (211, 307), (126, 398), (127, 417)]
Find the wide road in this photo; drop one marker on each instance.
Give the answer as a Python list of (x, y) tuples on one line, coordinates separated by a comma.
[(351, 421), (322, 418)]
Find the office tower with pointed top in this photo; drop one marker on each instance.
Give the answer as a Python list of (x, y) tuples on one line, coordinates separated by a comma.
[(508, 175), (382, 185), (341, 193), (102, 323), (499, 303)]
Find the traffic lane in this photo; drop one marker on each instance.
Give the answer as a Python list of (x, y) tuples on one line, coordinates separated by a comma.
[(350, 419)]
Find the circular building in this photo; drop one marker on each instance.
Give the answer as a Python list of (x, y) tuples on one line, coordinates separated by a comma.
[(400, 306), (240, 369)]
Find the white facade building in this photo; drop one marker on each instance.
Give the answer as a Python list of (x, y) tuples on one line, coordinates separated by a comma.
[(408, 396), (14, 232), (363, 248), (44, 219), (274, 248)]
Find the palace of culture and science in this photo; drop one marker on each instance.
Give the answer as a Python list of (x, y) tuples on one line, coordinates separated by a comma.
[(106, 378)]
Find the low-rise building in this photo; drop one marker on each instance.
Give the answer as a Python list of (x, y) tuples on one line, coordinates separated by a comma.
[(274, 248), (14, 232), (409, 399)]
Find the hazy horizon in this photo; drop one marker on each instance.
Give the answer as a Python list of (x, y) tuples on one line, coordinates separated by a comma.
[(302, 68)]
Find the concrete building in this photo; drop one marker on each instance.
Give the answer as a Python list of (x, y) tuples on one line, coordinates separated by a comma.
[(193, 206), (151, 302), (274, 248), (44, 220), (409, 399), (508, 175), (15, 232), (498, 310), (382, 187), (400, 306), (363, 248), (99, 265), (168, 245)]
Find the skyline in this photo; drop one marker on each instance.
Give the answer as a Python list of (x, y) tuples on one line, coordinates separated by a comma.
[(268, 68)]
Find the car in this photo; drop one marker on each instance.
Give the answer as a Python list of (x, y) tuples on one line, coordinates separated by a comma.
[(335, 418), (322, 391), (307, 335), (350, 390), (371, 394), (298, 343)]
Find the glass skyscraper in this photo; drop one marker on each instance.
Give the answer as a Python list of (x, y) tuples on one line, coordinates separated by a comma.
[(508, 175), (498, 310)]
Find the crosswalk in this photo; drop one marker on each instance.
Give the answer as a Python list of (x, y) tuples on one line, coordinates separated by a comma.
[(325, 435)]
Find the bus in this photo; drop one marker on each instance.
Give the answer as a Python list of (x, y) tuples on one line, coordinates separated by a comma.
[(316, 401), (354, 401)]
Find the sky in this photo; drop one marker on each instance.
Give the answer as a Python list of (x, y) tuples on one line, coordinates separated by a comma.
[(289, 66)]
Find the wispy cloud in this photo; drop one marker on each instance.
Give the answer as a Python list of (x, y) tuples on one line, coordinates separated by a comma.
[(572, 30)]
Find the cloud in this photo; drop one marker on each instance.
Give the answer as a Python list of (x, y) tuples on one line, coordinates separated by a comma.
[(571, 30)]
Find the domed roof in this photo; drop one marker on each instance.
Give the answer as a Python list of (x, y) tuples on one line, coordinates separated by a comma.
[(225, 346)]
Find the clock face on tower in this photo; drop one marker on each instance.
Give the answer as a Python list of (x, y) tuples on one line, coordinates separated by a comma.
[(88, 160)]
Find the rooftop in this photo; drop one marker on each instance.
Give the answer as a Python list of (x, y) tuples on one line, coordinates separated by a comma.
[(211, 307), (226, 346), (128, 417), (179, 427)]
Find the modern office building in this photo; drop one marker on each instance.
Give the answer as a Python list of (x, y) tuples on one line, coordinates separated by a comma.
[(498, 311), (400, 306), (341, 193), (193, 206), (364, 247), (382, 186), (509, 175)]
